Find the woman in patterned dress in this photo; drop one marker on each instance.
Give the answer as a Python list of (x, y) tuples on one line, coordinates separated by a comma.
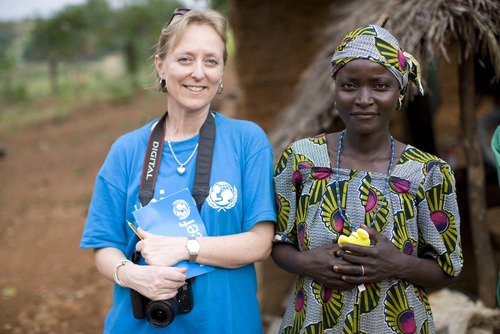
[(333, 184)]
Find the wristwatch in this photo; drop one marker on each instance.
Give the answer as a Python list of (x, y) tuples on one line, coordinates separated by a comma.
[(193, 248)]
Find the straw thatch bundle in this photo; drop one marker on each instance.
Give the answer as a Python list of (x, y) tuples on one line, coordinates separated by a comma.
[(425, 28)]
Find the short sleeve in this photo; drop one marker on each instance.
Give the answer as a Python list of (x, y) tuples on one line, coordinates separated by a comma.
[(439, 220), (105, 226), (286, 198), (495, 147), (259, 204)]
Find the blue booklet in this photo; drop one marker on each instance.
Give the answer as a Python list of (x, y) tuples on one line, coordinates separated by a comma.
[(175, 216)]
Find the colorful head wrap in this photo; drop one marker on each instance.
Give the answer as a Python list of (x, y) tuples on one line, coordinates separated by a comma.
[(377, 44)]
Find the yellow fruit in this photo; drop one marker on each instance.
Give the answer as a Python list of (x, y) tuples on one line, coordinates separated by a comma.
[(343, 238), (362, 234), (359, 237)]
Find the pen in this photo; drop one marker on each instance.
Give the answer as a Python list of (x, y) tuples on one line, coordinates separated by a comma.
[(134, 229)]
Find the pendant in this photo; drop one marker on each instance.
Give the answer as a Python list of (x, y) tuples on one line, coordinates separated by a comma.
[(181, 170)]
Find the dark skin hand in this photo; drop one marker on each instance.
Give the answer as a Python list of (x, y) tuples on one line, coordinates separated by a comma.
[(384, 260), (316, 263)]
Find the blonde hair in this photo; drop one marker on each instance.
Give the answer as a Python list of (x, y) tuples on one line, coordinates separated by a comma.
[(172, 33)]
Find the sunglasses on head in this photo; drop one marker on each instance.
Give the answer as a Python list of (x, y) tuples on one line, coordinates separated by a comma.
[(177, 12)]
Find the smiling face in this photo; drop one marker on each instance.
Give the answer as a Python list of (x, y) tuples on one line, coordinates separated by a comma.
[(366, 94), (193, 69)]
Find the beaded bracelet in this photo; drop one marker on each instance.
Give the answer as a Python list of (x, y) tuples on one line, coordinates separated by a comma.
[(115, 271)]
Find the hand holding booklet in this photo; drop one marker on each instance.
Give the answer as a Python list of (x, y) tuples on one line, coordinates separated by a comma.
[(175, 216)]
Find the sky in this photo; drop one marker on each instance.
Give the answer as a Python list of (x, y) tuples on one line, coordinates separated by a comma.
[(14, 10)]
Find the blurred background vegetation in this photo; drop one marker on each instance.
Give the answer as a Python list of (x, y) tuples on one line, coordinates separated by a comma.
[(81, 54)]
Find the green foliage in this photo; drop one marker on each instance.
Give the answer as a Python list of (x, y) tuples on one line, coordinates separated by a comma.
[(10, 89), (100, 24), (220, 5), (140, 23), (231, 47), (7, 38), (9, 291), (60, 37), (80, 86), (82, 54)]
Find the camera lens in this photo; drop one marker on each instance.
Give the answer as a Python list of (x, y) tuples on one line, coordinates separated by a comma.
[(161, 313)]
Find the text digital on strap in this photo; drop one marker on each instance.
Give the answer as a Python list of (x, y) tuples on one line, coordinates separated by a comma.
[(152, 161)]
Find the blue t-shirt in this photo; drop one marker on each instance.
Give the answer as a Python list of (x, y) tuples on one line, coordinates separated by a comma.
[(241, 195)]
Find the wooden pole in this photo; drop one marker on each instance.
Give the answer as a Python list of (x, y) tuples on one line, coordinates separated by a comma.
[(476, 193)]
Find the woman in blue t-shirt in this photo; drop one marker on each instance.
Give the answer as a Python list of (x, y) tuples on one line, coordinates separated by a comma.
[(238, 208)]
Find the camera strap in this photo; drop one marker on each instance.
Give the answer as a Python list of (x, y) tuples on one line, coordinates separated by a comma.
[(204, 159)]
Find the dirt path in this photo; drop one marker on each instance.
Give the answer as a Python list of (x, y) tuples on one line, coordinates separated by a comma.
[(48, 284)]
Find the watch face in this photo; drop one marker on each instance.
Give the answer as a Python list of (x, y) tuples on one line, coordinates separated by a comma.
[(193, 246)]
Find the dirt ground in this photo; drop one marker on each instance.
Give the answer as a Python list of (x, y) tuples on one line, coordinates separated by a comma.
[(48, 284)]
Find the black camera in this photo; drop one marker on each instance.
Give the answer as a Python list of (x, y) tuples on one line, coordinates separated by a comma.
[(160, 313)]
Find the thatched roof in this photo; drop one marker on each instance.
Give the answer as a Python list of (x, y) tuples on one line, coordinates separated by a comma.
[(425, 28)]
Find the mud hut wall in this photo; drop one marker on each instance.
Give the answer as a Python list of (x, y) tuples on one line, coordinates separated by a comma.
[(275, 41)]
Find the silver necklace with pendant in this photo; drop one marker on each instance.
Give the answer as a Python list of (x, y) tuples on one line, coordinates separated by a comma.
[(181, 169)]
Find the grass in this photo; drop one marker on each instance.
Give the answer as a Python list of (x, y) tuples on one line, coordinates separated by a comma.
[(29, 98)]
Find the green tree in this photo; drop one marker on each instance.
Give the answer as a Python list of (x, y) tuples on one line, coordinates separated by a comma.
[(7, 37), (7, 56), (62, 37), (101, 21), (139, 24), (220, 5)]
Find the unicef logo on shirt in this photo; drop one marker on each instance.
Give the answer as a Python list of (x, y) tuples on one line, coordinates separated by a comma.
[(223, 196), (181, 209)]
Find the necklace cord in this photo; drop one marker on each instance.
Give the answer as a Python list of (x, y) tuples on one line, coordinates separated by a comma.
[(152, 160), (181, 168), (342, 213)]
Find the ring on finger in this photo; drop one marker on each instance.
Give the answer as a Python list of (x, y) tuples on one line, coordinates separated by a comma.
[(362, 270)]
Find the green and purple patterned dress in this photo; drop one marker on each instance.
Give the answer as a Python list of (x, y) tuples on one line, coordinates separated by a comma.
[(419, 215)]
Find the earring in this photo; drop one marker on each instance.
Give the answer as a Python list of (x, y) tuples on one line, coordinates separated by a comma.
[(335, 105), (163, 86), (399, 105), (221, 88)]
